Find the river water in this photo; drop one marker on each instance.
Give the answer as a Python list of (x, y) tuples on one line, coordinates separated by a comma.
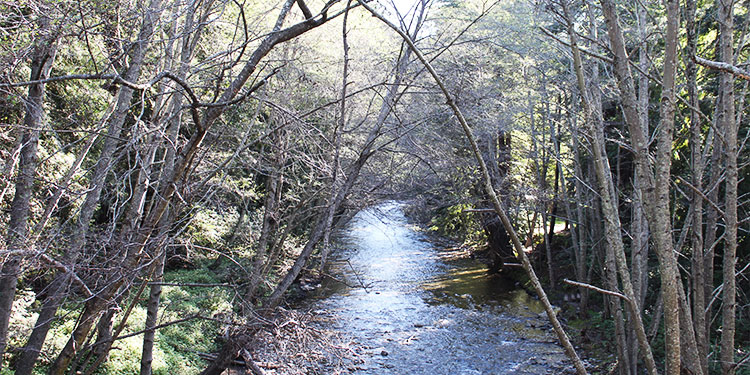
[(414, 310)]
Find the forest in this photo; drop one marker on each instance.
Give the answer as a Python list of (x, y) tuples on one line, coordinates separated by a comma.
[(176, 172)]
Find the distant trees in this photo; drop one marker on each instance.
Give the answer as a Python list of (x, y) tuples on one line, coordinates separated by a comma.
[(659, 177)]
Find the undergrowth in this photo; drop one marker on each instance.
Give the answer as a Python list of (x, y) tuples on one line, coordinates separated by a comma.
[(176, 348)]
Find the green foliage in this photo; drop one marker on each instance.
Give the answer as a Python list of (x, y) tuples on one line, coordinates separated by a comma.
[(209, 226), (455, 222), (176, 346)]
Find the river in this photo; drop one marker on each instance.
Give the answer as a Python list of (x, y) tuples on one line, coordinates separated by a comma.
[(415, 310)]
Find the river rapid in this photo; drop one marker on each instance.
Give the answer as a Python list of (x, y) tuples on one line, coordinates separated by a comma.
[(395, 294)]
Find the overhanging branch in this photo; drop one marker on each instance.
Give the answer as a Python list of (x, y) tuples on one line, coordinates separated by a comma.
[(724, 67)]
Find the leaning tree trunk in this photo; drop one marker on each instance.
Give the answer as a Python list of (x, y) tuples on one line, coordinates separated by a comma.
[(116, 122), (43, 57), (167, 174), (350, 177), (497, 205), (608, 199), (654, 178)]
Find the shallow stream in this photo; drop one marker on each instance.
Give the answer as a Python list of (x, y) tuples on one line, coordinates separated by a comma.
[(417, 310)]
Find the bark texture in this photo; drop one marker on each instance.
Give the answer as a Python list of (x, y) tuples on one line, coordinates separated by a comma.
[(43, 57), (726, 88)]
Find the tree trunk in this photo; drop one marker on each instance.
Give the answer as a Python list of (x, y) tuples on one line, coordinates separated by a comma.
[(33, 347), (498, 241), (710, 241), (540, 166), (152, 306), (654, 180), (639, 227), (582, 272), (696, 159), (726, 90), (336, 142), (43, 57), (152, 314), (269, 228), (623, 358)]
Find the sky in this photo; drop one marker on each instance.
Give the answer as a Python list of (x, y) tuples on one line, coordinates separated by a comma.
[(404, 8)]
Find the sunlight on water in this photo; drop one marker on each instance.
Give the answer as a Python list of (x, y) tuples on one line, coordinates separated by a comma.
[(432, 316)]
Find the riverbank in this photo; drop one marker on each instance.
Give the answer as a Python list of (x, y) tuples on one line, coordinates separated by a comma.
[(397, 291), (408, 306), (590, 329)]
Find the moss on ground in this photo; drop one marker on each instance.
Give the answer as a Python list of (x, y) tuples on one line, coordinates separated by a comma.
[(177, 346)]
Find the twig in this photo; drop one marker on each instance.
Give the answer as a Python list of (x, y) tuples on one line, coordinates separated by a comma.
[(212, 357), (742, 361), (256, 370), (154, 328), (195, 285), (336, 279), (54, 263), (600, 290), (585, 51), (358, 278), (479, 210), (705, 198)]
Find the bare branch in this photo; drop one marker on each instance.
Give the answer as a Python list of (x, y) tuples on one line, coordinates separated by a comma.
[(724, 67), (305, 10), (583, 50), (594, 288)]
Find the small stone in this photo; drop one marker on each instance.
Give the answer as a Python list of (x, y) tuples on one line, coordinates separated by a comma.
[(384, 353)]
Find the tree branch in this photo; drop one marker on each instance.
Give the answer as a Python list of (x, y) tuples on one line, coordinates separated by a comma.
[(594, 288), (305, 10), (584, 51), (724, 67)]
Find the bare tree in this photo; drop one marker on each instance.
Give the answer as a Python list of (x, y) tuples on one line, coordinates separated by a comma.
[(728, 124), (608, 197), (42, 59), (696, 159)]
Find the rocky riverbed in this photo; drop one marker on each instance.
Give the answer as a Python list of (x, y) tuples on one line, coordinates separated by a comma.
[(401, 305)]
